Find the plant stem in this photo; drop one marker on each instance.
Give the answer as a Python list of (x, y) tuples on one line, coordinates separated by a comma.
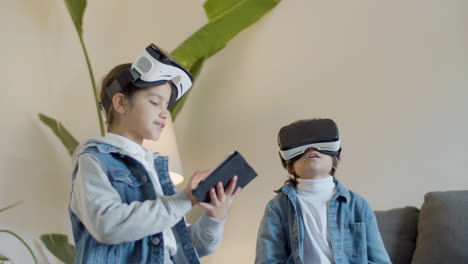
[(10, 206), (22, 241), (93, 82)]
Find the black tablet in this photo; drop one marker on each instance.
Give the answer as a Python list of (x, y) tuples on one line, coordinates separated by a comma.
[(233, 165)]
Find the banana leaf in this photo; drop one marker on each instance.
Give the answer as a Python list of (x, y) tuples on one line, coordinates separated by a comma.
[(58, 245), (76, 9), (227, 18), (195, 71), (61, 132)]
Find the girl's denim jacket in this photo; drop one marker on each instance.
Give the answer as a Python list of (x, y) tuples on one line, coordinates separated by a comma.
[(130, 179), (355, 236)]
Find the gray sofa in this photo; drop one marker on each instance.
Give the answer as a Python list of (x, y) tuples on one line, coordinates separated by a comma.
[(436, 233)]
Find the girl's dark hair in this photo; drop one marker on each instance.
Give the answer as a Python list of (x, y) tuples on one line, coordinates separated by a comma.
[(128, 92), (108, 79), (288, 165)]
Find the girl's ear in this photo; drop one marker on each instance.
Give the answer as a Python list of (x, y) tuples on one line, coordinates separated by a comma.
[(119, 103)]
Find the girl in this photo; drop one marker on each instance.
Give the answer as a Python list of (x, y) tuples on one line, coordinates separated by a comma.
[(124, 207), (314, 218)]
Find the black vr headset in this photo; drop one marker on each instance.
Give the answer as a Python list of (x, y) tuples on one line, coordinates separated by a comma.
[(296, 138)]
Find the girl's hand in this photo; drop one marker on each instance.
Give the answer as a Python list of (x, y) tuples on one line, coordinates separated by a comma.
[(193, 182), (221, 200)]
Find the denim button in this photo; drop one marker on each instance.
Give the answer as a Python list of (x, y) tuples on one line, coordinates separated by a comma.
[(156, 241)]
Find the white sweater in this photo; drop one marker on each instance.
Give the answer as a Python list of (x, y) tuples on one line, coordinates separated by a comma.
[(313, 197)]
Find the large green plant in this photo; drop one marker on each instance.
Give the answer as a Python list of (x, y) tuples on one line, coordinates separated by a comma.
[(57, 244), (226, 18)]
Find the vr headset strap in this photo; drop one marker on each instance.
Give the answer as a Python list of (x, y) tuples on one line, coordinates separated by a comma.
[(117, 86)]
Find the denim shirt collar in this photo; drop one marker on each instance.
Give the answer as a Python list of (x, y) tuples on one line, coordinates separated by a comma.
[(341, 191)]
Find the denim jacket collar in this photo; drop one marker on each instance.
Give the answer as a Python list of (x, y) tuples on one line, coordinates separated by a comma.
[(103, 146)]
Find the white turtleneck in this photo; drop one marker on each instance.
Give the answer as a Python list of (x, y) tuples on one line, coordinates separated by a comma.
[(313, 197)]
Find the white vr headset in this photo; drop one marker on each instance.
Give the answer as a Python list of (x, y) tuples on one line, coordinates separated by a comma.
[(296, 138), (153, 67)]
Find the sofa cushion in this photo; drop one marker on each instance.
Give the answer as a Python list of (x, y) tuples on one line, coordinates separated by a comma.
[(398, 228), (443, 228)]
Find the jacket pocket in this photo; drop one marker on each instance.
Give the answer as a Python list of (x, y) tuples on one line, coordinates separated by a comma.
[(131, 187), (119, 175), (354, 239)]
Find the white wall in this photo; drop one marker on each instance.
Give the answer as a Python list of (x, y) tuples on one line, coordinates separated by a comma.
[(391, 73)]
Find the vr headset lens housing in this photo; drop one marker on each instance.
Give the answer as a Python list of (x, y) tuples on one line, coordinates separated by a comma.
[(296, 138), (153, 67)]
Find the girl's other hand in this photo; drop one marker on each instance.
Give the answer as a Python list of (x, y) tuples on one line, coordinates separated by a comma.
[(221, 200), (193, 182)]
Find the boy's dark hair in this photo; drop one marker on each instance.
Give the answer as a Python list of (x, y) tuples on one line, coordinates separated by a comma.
[(293, 176), (128, 92)]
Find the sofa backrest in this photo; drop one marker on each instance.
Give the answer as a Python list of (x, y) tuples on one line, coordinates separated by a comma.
[(443, 228)]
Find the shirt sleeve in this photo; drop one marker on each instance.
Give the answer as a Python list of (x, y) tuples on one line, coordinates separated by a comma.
[(207, 234), (99, 207), (271, 240)]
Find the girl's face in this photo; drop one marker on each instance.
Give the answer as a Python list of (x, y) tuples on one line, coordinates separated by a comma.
[(313, 165), (146, 114)]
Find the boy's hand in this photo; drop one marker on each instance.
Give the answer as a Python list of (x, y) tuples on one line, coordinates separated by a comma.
[(221, 200), (196, 178)]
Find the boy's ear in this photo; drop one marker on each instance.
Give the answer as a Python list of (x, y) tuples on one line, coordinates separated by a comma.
[(290, 168), (119, 103), (336, 162)]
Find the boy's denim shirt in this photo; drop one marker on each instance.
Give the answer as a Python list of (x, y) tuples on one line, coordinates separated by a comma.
[(355, 237), (131, 181)]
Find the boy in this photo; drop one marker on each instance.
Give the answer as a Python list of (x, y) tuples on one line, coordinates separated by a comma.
[(314, 218)]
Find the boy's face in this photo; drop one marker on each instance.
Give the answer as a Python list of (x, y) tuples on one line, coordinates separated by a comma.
[(147, 113), (313, 165)]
